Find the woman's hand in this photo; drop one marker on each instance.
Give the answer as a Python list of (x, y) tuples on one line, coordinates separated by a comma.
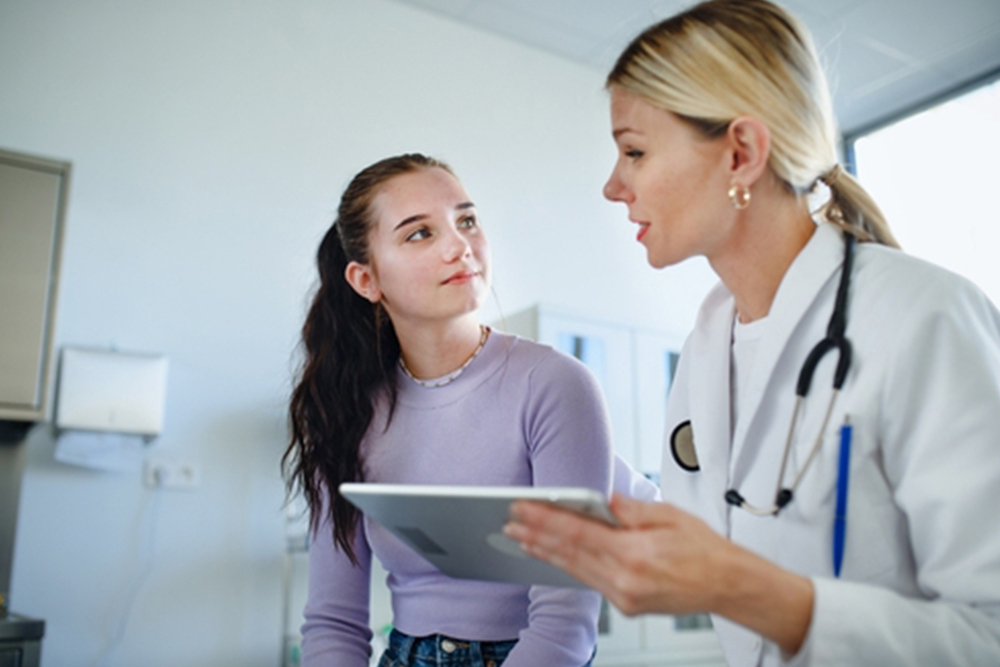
[(663, 563), (665, 560)]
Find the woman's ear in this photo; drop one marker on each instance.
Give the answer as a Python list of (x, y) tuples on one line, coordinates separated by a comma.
[(749, 148), (362, 279)]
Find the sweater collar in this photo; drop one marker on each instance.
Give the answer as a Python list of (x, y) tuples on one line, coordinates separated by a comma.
[(490, 360)]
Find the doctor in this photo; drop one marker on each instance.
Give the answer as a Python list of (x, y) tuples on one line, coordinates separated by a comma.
[(830, 503)]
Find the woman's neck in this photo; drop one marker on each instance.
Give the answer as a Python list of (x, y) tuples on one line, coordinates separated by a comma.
[(431, 350), (765, 241)]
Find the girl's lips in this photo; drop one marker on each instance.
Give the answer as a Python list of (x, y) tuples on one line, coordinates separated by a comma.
[(461, 277), (643, 228)]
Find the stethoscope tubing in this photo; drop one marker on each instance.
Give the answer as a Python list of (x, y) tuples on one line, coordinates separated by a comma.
[(835, 339)]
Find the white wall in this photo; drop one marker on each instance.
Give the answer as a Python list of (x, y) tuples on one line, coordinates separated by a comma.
[(209, 142)]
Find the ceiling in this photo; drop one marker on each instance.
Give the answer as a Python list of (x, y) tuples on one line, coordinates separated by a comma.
[(882, 56)]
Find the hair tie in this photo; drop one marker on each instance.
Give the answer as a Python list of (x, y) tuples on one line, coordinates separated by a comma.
[(831, 176)]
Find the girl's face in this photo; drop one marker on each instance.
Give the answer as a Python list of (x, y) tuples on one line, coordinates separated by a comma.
[(430, 259), (673, 181)]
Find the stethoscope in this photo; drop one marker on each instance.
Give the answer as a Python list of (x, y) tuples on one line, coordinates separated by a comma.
[(834, 340), (681, 439)]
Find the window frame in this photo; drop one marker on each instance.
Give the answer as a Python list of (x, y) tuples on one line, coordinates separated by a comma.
[(848, 139)]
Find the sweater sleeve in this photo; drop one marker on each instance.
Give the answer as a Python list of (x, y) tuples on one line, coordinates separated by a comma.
[(569, 440), (940, 450), (336, 629)]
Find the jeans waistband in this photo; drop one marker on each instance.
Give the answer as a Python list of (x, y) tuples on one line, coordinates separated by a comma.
[(444, 650)]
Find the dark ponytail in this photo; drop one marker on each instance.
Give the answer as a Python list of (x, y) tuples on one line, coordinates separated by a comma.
[(351, 354)]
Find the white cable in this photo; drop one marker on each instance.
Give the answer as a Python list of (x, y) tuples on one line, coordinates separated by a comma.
[(153, 505)]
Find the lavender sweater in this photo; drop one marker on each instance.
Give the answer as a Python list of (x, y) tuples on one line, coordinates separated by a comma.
[(520, 414)]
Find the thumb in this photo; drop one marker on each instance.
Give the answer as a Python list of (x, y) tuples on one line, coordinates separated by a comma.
[(637, 514)]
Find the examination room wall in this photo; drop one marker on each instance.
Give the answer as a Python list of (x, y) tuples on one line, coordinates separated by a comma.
[(209, 143)]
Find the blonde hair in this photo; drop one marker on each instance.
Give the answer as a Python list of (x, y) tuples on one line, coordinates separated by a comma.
[(727, 58)]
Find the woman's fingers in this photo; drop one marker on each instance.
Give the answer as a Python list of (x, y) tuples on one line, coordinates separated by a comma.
[(580, 546), (613, 561), (552, 530), (661, 559), (637, 514)]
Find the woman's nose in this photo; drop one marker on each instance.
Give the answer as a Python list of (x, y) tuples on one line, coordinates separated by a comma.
[(613, 189)]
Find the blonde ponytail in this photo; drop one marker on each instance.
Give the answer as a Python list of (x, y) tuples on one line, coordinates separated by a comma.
[(851, 208)]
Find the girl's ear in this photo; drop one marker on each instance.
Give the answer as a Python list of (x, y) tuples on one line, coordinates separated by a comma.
[(749, 148), (362, 279)]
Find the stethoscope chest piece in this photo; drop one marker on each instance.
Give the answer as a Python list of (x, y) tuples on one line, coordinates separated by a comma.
[(682, 447)]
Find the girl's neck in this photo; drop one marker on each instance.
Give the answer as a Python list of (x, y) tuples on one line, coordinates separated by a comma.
[(432, 350), (766, 240)]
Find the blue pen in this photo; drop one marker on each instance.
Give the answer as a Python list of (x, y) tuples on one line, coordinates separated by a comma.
[(843, 476)]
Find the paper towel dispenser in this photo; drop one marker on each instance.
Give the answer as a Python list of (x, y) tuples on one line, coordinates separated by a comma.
[(105, 390)]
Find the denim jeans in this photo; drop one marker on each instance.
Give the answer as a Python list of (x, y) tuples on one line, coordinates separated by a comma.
[(441, 651)]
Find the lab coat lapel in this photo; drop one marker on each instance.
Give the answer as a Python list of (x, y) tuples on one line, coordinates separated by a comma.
[(814, 266), (710, 411)]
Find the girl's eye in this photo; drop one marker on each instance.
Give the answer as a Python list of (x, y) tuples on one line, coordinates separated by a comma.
[(418, 235), (634, 153), (468, 222)]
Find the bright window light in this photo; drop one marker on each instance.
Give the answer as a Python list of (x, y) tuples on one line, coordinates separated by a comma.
[(936, 177)]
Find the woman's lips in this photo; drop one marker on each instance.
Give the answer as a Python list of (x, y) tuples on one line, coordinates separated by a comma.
[(643, 228), (461, 277)]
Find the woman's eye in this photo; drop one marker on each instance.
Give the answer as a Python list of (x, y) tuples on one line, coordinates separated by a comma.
[(418, 235), (634, 153), (468, 222)]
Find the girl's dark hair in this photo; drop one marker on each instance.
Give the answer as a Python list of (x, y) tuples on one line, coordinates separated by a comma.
[(351, 352)]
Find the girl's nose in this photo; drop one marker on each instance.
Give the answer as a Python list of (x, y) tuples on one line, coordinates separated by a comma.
[(457, 247)]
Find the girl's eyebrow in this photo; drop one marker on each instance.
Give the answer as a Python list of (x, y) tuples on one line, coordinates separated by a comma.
[(422, 216), (413, 218)]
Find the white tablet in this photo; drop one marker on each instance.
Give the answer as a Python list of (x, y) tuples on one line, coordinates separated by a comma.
[(459, 529)]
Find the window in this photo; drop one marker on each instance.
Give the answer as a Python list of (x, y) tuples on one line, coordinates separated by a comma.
[(935, 176)]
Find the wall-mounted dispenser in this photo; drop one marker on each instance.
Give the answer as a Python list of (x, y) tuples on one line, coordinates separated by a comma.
[(104, 390), (108, 406)]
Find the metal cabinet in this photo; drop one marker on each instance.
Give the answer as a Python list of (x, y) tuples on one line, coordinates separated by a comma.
[(20, 641), (33, 195), (32, 206)]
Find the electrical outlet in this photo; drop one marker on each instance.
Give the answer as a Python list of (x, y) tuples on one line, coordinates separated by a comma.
[(171, 475)]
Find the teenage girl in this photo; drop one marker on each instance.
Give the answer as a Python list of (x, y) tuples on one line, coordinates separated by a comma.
[(403, 384)]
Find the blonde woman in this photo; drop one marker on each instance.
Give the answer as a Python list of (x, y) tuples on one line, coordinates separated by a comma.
[(832, 449)]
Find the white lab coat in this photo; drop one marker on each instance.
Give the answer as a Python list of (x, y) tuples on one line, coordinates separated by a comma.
[(920, 583)]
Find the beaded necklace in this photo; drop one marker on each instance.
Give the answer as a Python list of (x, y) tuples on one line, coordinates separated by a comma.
[(452, 376)]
